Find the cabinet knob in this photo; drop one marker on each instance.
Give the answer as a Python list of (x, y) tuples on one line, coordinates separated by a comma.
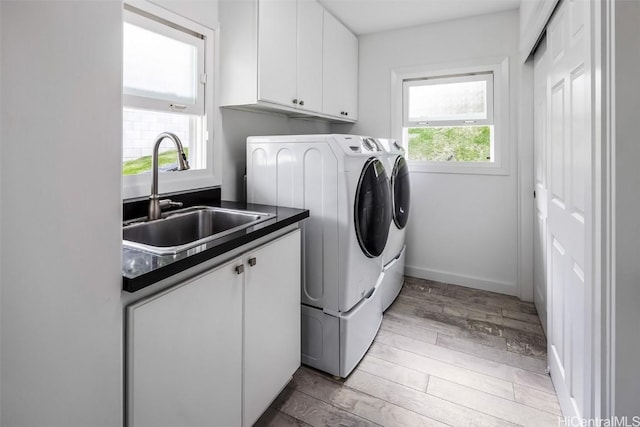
[(301, 102), (295, 101), (239, 269), (252, 261)]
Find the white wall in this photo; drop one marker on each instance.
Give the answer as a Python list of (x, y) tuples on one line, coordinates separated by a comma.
[(204, 12), (237, 126), (61, 316), (626, 202), (463, 228)]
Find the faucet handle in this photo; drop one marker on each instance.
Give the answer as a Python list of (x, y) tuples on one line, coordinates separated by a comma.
[(168, 203), (184, 164)]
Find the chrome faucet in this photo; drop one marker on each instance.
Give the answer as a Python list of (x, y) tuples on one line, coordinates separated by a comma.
[(155, 204)]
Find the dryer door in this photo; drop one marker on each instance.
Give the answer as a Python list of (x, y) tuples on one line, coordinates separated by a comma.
[(373, 208), (401, 192)]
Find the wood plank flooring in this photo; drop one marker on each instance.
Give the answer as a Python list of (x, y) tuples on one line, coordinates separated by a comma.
[(445, 355)]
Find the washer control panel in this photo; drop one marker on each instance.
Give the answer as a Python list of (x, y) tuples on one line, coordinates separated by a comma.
[(359, 144), (391, 146)]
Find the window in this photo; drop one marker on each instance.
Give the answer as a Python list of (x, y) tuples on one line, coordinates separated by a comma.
[(449, 118), (452, 120), (167, 87)]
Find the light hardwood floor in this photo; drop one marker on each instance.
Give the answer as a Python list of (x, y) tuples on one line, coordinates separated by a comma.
[(444, 355)]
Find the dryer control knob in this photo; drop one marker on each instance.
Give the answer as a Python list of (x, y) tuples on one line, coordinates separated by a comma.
[(370, 144)]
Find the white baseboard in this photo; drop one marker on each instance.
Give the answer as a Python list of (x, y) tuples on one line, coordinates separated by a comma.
[(462, 280)]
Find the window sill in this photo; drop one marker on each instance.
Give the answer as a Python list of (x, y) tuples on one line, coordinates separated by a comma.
[(168, 182), (465, 168)]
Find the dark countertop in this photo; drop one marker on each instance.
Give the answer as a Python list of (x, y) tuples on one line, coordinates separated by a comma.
[(141, 269)]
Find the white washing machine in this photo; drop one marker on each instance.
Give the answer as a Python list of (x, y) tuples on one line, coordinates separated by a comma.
[(342, 180), (393, 257)]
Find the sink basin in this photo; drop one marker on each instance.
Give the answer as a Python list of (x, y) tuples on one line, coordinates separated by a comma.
[(187, 228)]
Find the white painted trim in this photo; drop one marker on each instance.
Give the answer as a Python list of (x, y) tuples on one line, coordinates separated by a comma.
[(604, 209), (147, 100), (1, 240), (526, 183), (599, 217), (534, 27), (485, 284), (501, 103), (486, 77)]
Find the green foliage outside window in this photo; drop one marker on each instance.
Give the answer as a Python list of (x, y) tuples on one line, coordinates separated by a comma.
[(143, 164), (450, 144)]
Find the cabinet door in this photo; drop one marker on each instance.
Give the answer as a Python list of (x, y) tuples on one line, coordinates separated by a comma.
[(277, 51), (184, 353), (350, 94), (310, 17), (340, 70), (272, 322)]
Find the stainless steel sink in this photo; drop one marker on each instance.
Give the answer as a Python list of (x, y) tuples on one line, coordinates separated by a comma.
[(187, 228)]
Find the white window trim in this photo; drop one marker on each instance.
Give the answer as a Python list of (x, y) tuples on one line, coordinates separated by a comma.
[(140, 185), (499, 66), (145, 102), (486, 77)]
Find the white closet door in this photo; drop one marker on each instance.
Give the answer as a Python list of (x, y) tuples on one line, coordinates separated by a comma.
[(569, 237), (540, 183)]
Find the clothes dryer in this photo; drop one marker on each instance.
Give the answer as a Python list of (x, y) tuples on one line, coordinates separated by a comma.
[(393, 258), (342, 180)]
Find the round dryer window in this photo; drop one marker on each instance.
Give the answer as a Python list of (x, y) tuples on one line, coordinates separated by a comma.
[(401, 192), (373, 208)]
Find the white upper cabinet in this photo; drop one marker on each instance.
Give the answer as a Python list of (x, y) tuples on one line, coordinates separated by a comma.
[(309, 66), (277, 51), (339, 70), (272, 58)]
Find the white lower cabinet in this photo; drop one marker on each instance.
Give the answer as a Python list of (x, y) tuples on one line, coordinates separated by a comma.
[(271, 323), (185, 353), (217, 349)]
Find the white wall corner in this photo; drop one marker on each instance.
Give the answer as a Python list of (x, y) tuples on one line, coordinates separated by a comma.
[(625, 203), (525, 180)]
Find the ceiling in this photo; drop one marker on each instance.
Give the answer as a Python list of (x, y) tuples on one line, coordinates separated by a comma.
[(371, 16)]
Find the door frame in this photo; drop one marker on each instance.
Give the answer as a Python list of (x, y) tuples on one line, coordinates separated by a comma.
[(603, 53), (602, 300)]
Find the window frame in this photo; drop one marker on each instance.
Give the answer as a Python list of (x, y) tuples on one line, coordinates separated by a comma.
[(137, 186), (185, 35), (500, 151), (439, 80)]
